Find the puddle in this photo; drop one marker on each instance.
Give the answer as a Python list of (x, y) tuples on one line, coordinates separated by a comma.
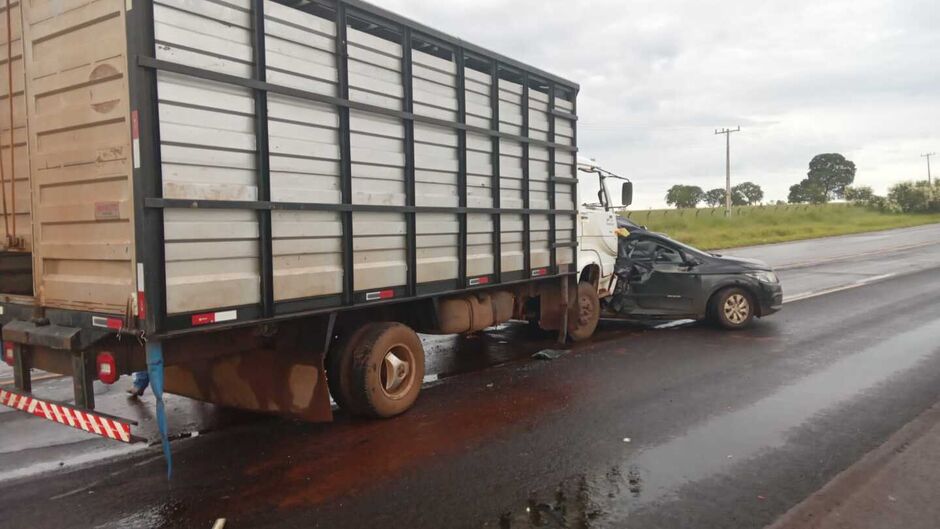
[(657, 473)]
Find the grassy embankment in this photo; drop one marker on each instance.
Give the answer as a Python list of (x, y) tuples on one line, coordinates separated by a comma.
[(708, 228)]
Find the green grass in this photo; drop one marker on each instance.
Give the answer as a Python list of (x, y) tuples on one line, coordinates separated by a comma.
[(708, 228)]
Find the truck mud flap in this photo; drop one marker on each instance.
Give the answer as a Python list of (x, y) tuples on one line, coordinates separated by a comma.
[(107, 426)]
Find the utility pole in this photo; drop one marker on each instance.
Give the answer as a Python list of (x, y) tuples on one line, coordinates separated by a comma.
[(727, 133), (928, 155)]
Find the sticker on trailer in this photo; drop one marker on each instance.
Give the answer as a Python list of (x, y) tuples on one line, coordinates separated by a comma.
[(475, 281), (380, 294), (112, 428), (108, 323), (135, 136), (214, 317)]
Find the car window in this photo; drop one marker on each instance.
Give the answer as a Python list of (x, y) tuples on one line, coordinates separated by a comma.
[(652, 250), (642, 250), (664, 254)]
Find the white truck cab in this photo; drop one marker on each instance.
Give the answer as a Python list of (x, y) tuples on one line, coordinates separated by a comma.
[(597, 223)]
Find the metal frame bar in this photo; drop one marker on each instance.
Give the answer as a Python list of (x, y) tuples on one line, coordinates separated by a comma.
[(494, 158), (22, 377), (147, 168), (463, 220), (184, 203), (342, 67), (263, 161), (411, 220), (526, 217), (552, 235)]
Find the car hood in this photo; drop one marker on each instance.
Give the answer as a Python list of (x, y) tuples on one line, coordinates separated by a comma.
[(727, 263)]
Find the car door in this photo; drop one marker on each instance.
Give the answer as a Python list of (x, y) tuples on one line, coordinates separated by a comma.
[(665, 283)]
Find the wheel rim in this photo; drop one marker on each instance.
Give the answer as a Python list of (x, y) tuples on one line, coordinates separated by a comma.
[(737, 308), (397, 372)]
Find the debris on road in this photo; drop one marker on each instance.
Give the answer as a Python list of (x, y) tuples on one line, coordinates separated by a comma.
[(549, 354)]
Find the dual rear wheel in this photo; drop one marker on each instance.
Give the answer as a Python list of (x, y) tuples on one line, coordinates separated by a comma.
[(377, 370)]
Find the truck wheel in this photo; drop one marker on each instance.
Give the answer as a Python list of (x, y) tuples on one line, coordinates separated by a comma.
[(732, 308), (585, 313), (387, 369), (339, 370)]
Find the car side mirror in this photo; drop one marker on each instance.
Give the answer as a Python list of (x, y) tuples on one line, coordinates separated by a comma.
[(691, 262), (626, 193)]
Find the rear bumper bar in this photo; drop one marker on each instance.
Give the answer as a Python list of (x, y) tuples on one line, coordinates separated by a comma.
[(107, 426)]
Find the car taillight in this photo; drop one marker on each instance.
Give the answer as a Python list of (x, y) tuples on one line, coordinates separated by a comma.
[(107, 368), (8, 352)]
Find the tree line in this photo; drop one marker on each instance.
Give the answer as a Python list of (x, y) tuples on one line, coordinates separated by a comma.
[(830, 177), (743, 194)]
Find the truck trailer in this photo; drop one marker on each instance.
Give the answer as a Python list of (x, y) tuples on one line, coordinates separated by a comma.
[(260, 202)]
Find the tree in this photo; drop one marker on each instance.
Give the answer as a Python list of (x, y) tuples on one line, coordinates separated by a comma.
[(807, 191), (747, 192), (684, 196), (859, 194), (828, 176), (715, 197), (832, 172)]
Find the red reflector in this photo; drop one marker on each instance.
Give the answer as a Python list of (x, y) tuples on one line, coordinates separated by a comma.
[(141, 305), (115, 323), (203, 319), (107, 368), (8, 352)]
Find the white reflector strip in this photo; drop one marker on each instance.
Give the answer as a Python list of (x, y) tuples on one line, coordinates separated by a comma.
[(89, 422)]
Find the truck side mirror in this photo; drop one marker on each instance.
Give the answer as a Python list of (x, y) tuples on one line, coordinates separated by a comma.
[(626, 193)]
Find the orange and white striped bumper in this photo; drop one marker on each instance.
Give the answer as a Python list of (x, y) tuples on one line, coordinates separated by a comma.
[(94, 423)]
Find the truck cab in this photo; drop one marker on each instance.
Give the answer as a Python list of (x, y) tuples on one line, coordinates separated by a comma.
[(597, 222)]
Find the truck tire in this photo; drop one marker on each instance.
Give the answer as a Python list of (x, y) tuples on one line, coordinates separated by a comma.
[(582, 321), (732, 308), (387, 370), (339, 370)]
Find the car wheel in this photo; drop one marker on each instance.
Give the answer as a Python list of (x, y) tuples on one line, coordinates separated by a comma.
[(733, 308), (387, 370), (584, 313)]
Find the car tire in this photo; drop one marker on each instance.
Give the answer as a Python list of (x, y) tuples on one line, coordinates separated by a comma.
[(585, 313), (387, 370), (732, 308)]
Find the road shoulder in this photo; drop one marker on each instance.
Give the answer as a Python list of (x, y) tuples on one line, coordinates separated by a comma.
[(893, 486)]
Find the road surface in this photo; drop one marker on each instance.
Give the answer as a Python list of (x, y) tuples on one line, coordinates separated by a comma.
[(688, 426)]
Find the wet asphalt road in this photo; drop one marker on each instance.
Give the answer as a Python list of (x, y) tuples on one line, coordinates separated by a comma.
[(682, 427)]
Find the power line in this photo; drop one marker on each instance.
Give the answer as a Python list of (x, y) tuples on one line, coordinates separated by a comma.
[(727, 133)]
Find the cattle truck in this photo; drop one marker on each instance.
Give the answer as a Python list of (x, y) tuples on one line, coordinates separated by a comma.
[(260, 202)]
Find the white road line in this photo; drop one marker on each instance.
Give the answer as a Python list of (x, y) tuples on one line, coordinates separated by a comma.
[(817, 293)]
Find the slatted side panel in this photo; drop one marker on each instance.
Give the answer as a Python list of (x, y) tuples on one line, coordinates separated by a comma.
[(378, 161), (479, 113), (14, 176), (539, 174), (303, 140), (434, 81), (208, 150), (565, 168), (80, 150)]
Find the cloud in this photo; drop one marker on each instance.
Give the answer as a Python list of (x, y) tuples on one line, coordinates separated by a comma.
[(657, 77)]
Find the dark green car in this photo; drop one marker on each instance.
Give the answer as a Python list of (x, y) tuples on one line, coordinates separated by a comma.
[(663, 279)]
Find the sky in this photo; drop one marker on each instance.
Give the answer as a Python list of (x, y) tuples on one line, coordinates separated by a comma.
[(857, 77)]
